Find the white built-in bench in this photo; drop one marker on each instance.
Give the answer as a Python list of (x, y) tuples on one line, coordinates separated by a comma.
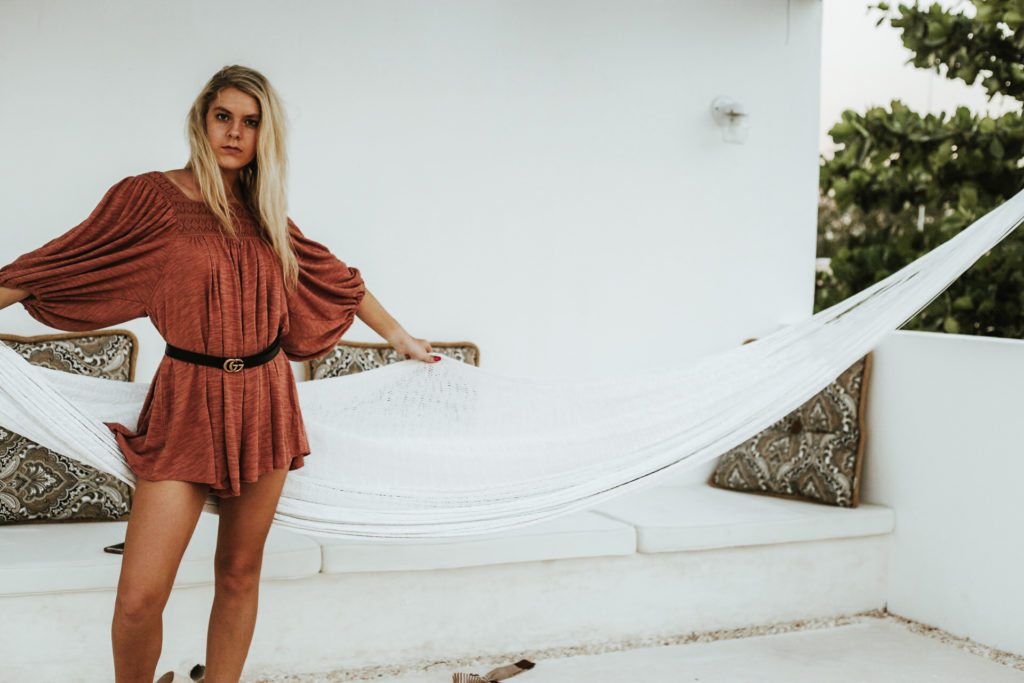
[(665, 560), (705, 517)]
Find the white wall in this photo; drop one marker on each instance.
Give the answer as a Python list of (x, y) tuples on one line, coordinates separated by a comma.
[(944, 450), (540, 177)]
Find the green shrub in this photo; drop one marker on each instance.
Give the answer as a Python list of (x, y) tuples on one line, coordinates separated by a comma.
[(902, 183)]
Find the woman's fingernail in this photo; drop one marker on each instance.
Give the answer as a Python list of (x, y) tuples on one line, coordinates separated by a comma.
[(437, 358)]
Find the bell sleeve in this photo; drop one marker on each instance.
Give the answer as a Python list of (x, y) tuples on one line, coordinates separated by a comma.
[(323, 304), (101, 272)]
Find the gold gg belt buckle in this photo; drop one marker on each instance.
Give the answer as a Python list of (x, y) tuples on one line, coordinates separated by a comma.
[(234, 365)]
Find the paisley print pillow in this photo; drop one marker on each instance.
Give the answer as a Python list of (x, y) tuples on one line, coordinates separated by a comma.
[(37, 484), (348, 358), (814, 453)]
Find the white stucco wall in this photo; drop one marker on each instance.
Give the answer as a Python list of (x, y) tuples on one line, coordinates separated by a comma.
[(944, 451), (542, 178)]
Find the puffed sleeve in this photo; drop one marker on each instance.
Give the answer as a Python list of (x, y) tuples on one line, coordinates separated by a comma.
[(102, 271), (324, 303)]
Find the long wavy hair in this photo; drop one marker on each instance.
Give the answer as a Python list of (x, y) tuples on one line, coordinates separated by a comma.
[(264, 180)]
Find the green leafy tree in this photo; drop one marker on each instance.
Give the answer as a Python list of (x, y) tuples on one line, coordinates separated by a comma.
[(902, 183)]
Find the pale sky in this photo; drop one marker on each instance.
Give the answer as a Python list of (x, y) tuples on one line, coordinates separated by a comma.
[(863, 66)]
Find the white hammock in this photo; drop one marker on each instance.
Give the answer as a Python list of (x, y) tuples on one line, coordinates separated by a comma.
[(430, 451)]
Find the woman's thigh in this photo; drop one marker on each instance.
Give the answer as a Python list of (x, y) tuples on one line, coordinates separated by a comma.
[(162, 519), (244, 523)]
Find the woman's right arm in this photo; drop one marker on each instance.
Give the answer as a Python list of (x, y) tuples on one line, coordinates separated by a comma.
[(10, 296), (102, 271)]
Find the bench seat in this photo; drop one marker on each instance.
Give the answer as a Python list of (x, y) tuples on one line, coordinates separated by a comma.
[(55, 557), (660, 561), (580, 534), (66, 557), (702, 517)]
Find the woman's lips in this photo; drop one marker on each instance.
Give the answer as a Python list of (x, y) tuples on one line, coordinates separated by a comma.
[(231, 150)]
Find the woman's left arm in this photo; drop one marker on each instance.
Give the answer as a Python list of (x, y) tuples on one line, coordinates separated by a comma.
[(380, 321)]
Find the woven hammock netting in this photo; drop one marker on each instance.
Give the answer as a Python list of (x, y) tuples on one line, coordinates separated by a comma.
[(417, 451)]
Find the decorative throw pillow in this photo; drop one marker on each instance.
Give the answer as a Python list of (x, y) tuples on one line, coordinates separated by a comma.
[(37, 484), (348, 358), (814, 453)]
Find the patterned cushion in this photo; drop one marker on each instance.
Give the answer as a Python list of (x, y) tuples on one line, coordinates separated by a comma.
[(814, 453), (37, 484), (348, 358)]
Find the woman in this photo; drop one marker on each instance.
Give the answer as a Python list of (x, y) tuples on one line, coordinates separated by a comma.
[(236, 290)]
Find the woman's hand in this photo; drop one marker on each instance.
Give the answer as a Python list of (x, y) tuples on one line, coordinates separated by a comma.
[(380, 321), (410, 347)]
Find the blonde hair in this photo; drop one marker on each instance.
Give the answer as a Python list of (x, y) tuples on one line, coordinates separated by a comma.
[(264, 180)]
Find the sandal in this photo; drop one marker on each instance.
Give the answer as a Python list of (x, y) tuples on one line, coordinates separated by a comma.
[(171, 677), (196, 675), (499, 674)]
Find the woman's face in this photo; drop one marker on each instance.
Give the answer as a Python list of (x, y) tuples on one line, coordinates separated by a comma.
[(232, 125)]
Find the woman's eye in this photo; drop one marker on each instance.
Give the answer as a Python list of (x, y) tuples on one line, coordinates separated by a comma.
[(221, 116), (253, 122)]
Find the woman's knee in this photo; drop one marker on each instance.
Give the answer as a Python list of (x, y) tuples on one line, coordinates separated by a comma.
[(237, 575), (140, 602)]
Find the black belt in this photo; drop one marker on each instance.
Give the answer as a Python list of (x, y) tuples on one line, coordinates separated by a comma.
[(226, 364)]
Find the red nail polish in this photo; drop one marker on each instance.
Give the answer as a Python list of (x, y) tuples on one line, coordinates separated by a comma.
[(437, 358)]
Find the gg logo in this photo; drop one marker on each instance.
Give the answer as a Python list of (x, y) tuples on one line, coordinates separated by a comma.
[(233, 365)]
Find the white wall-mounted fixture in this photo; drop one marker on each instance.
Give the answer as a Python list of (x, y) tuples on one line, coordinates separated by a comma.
[(732, 117)]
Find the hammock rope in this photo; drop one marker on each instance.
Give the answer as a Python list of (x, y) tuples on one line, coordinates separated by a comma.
[(416, 451)]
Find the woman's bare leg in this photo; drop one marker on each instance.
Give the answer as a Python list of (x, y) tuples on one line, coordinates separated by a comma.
[(163, 517), (244, 523)]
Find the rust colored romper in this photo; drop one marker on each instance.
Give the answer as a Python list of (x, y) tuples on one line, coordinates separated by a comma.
[(148, 250)]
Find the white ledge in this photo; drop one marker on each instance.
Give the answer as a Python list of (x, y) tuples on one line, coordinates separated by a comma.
[(681, 518), (540, 581), (581, 534), (59, 557), (56, 557)]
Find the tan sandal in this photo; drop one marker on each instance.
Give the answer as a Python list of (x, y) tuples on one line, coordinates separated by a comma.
[(172, 677), (196, 675), (500, 674)]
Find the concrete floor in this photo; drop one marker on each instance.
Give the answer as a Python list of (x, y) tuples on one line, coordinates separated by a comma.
[(881, 650)]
